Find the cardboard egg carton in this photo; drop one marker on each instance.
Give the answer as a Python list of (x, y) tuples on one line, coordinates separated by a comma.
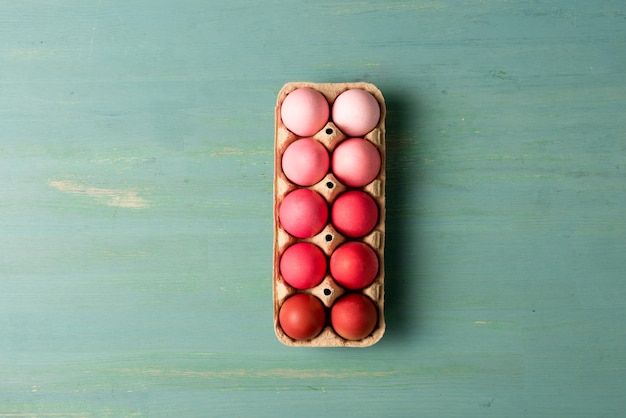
[(329, 238)]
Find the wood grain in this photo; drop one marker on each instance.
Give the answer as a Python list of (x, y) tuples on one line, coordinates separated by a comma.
[(136, 207)]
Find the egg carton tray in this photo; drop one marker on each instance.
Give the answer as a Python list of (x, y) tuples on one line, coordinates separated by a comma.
[(328, 291)]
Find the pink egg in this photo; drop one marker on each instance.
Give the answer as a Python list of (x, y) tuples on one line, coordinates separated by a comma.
[(303, 213), (354, 213), (356, 112), (304, 111), (356, 162), (305, 162), (303, 265), (354, 265)]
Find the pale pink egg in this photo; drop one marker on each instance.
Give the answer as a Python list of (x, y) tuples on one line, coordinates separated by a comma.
[(303, 213), (354, 213), (305, 162), (356, 112), (304, 111), (356, 162)]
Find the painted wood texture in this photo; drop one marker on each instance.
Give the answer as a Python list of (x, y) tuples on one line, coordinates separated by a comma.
[(136, 207)]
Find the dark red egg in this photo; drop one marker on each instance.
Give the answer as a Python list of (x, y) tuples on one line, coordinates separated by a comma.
[(354, 316), (302, 316)]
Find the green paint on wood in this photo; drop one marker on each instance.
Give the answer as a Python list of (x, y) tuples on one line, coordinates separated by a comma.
[(135, 208)]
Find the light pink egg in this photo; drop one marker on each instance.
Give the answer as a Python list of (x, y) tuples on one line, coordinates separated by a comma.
[(305, 162), (304, 111), (356, 162), (356, 112), (303, 213)]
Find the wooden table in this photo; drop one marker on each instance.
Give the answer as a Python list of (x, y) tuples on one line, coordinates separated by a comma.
[(136, 208)]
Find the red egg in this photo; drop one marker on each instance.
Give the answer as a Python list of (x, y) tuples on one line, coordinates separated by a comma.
[(303, 213), (304, 111), (354, 265), (354, 213), (303, 265), (302, 316), (356, 112), (356, 162), (305, 162), (354, 316)]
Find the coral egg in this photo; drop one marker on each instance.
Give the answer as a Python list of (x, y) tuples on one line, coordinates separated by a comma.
[(354, 265), (354, 213)]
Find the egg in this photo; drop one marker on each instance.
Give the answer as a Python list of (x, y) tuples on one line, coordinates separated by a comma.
[(304, 111), (356, 162), (356, 112), (354, 265), (303, 265), (303, 213), (354, 213), (305, 162), (302, 316), (354, 316)]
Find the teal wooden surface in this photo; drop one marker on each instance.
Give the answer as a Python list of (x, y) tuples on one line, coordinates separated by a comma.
[(136, 210)]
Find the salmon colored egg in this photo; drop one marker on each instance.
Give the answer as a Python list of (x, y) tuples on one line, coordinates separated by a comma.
[(303, 265), (356, 112), (304, 111), (354, 316), (354, 265), (305, 162), (356, 162), (303, 213), (354, 213), (302, 316)]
